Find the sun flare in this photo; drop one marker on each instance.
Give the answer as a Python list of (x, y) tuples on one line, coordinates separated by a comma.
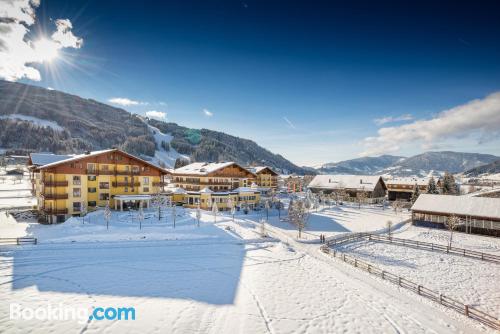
[(46, 50)]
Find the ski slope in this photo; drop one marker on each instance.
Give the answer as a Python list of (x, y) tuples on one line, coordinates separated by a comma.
[(166, 157)]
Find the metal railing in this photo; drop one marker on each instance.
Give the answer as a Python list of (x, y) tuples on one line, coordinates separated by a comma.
[(55, 183), (55, 196)]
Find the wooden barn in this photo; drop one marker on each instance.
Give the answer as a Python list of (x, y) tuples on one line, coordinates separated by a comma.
[(477, 214), (372, 186)]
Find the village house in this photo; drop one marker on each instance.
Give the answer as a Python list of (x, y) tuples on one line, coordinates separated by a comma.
[(354, 186), (401, 189), (477, 214), (65, 186), (208, 183), (267, 179)]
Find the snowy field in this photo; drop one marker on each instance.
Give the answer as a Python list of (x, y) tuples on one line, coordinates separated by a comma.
[(15, 192), (220, 277), (471, 281)]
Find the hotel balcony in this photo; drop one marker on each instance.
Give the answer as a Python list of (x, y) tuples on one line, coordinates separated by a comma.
[(55, 196), (55, 211), (125, 184), (55, 183), (128, 172)]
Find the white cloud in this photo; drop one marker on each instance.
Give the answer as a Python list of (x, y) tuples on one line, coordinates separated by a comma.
[(64, 36), (290, 124), (123, 101), (480, 118), (17, 47), (208, 113), (156, 114), (392, 119)]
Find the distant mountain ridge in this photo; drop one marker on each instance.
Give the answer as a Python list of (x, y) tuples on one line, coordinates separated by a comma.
[(425, 164), (360, 166), (491, 168), (37, 119)]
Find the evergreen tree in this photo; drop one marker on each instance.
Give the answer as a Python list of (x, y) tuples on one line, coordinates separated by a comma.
[(416, 193), (179, 162), (449, 185), (431, 187)]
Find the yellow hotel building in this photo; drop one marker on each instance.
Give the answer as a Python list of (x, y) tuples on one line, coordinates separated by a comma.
[(205, 183), (71, 184)]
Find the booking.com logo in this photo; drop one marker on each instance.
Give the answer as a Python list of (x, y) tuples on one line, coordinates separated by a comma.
[(62, 312)]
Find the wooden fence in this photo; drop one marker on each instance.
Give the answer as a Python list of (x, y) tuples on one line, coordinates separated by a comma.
[(18, 241), (416, 244), (467, 310)]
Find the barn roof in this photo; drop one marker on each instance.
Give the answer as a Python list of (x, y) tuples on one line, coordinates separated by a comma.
[(258, 169), (459, 205), (358, 182)]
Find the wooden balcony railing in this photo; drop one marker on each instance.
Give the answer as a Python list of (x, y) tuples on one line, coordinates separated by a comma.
[(128, 172), (160, 184), (125, 184), (55, 196), (55, 183), (55, 211)]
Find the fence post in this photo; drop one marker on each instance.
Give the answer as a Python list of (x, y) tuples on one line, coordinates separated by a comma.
[(36, 241), (343, 257), (466, 310), (399, 280), (17, 241), (482, 256), (383, 274), (369, 268), (418, 289), (355, 262), (440, 298)]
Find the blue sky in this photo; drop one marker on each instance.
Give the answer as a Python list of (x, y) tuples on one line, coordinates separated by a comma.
[(309, 80)]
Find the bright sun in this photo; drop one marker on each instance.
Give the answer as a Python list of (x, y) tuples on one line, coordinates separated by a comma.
[(46, 49)]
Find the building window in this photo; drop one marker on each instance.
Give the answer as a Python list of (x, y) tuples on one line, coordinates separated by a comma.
[(92, 203), (77, 206), (104, 197), (91, 178), (77, 192), (92, 190), (145, 189), (103, 185), (104, 167), (77, 180), (126, 189), (145, 180)]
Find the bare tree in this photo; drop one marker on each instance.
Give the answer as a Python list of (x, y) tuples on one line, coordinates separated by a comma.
[(215, 210), (298, 215), (262, 226), (140, 217), (83, 211), (452, 223), (173, 213), (389, 228), (361, 196), (107, 214), (198, 214), (397, 206)]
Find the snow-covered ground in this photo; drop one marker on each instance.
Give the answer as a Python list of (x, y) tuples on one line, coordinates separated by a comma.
[(472, 281), (221, 277), (15, 192), (167, 157), (35, 120)]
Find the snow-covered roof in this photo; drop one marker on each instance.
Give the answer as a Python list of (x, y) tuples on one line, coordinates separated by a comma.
[(409, 181), (258, 169), (94, 153), (132, 197), (245, 190), (203, 168), (459, 205), (40, 159), (206, 190), (358, 182)]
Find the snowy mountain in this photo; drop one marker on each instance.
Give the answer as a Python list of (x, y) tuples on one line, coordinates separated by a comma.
[(491, 168), (50, 120), (425, 164), (360, 166)]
